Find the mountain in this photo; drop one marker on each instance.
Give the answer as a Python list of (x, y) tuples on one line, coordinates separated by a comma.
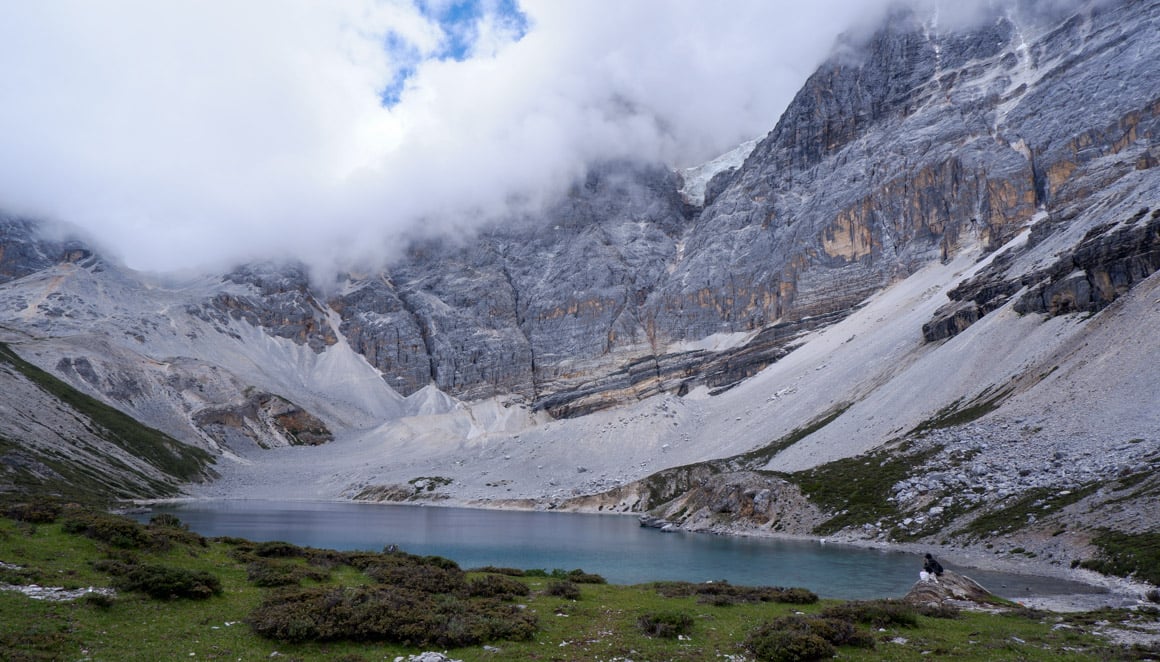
[(939, 264)]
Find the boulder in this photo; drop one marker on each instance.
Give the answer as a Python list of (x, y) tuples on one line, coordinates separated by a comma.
[(950, 588)]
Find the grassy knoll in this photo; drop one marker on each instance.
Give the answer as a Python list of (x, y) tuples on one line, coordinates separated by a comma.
[(182, 596)]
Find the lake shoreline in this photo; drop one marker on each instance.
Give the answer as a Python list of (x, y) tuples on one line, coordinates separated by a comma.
[(1107, 591)]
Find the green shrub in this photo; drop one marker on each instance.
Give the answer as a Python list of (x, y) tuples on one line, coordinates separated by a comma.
[(277, 572), (387, 613), (168, 520), (37, 511), (788, 646), (665, 624), (938, 611), (563, 589), (107, 528), (41, 641), (497, 586), (165, 531), (20, 576), (836, 631), (419, 576), (166, 582), (578, 576), (724, 593), (278, 549), (98, 600), (805, 638), (510, 572), (876, 613)]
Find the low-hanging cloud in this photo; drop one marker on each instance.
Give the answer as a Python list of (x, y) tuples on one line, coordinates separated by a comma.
[(196, 134)]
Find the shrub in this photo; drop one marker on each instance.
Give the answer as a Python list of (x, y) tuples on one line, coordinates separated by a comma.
[(497, 586), (419, 576), (275, 572), (107, 528), (788, 646), (578, 576), (1127, 554), (39, 511), (510, 572), (163, 537), (877, 613), (836, 631), (278, 549), (938, 611), (384, 613), (168, 520), (724, 593), (666, 624), (563, 589), (166, 582), (98, 600), (805, 638)]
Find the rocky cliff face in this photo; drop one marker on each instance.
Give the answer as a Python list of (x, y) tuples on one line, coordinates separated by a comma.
[(898, 151)]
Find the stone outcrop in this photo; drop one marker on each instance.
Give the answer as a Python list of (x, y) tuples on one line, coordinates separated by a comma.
[(1105, 265), (276, 298), (1109, 260), (263, 419), (732, 502), (25, 249), (950, 589)]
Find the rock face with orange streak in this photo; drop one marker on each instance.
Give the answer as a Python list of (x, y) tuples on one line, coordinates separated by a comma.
[(904, 147), (909, 144)]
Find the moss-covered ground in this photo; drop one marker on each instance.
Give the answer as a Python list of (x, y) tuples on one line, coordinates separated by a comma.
[(588, 621)]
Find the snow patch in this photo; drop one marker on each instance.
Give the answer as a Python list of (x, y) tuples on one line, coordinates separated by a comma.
[(694, 180)]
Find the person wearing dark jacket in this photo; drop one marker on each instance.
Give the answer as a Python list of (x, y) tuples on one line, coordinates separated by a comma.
[(932, 566)]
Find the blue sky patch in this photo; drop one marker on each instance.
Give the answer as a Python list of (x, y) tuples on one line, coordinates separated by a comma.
[(459, 22)]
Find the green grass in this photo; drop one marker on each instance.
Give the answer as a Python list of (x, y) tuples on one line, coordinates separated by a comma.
[(606, 621), (1015, 512), (668, 484), (959, 412), (183, 462), (1126, 554), (855, 490), (760, 457)]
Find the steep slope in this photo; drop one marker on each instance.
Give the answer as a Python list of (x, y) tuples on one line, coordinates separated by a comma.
[(56, 440)]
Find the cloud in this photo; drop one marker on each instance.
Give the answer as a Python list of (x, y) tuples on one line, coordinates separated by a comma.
[(200, 133)]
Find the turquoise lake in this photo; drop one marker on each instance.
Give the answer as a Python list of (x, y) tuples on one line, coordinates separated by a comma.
[(614, 546)]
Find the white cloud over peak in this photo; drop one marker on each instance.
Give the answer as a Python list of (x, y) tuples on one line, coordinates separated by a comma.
[(187, 134)]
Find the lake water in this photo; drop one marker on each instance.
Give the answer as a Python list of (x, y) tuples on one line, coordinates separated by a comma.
[(614, 546)]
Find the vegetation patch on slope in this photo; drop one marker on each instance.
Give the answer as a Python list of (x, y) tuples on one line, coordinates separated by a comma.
[(856, 490), (1017, 511), (760, 457), (1127, 555), (960, 412)]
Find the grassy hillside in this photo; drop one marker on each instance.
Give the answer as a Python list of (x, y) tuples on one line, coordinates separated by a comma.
[(179, 595)]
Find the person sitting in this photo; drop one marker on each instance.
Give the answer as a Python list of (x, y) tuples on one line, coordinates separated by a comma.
[(932, 567)]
